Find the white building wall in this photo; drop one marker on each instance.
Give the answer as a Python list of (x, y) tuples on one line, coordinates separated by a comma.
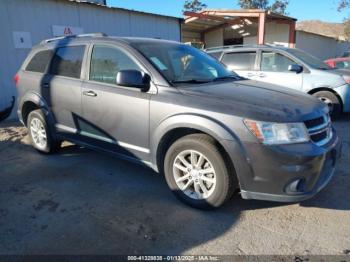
[(274, 34), (38, 16), (317, 45), (214, 38)]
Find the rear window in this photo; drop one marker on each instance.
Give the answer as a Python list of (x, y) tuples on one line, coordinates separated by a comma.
[(67, 61), (40, 61), (240, 61)]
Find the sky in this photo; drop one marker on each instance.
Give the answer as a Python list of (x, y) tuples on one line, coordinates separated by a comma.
[(325, 10)]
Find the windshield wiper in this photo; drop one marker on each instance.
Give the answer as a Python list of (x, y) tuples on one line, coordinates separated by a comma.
[(191, 81), (226, 77)]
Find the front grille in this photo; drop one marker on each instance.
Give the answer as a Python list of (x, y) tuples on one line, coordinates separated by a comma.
[(314, 122), (320, 130)]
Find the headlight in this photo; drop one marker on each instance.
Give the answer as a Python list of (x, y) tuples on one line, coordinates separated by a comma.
[(278, 133)]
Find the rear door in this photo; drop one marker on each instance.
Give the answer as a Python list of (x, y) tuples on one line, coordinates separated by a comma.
[(243, 63), (61, 87), (273, 69)]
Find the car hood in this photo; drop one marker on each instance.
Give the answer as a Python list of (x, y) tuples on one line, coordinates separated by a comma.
[(257, 100)]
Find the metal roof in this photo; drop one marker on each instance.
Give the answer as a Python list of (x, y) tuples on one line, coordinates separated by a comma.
[(119, 8)]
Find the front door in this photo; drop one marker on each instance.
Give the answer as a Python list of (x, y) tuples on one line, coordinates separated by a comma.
[(274, 70), (116, 116), (243, 63)]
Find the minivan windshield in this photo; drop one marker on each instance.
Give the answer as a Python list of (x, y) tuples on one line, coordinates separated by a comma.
[(310, 60), (180, 63)]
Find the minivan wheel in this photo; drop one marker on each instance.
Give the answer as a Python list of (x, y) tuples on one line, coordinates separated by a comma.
[(40, 135), (332, 102), (196, 172)]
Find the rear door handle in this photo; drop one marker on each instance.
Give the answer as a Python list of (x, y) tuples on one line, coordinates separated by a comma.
[(250, 74), (262, 75), (89, 93)]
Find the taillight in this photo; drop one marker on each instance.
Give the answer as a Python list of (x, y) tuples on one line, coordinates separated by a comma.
[(16, 79), (347, 79)]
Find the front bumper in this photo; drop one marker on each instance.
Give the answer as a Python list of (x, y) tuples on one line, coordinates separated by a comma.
[(344, 93), (288, 173)]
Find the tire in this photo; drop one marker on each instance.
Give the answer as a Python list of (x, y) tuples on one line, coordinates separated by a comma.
[(225, 178), (332, 101), (37, 121)]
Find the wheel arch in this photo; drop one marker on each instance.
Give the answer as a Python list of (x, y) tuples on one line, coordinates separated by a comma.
[(32, 101), (327, 89), (178, 126)]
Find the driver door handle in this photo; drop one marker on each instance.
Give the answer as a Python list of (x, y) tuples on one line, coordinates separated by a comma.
[(262, 75), (250, 74), (89, 93)]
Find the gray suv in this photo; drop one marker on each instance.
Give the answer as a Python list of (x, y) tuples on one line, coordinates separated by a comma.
[(181, 112), (289, 67)]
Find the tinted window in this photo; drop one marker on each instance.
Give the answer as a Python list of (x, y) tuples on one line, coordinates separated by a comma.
[(275, 62), (343, 64), (67, 61), (309, 59), (216, 55), (106, 62), (180, 63), (40, 61), (240, 61)]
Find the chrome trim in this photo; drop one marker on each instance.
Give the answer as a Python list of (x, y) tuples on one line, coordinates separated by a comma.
[(120, 143), (326, 120), (325, 127)]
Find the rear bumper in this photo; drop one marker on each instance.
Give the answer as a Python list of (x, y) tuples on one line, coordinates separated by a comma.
[(344, 93), (289, 173)]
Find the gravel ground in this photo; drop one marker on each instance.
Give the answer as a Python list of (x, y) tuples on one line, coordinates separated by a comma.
[(82, 202)]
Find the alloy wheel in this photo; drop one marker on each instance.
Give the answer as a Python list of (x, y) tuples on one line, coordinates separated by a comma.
[(194, 174)]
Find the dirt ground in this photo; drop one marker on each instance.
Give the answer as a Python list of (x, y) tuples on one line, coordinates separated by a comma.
[(82, 202)]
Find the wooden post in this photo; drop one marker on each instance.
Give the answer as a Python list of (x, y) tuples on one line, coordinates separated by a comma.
[(292, 34), (261, 28)]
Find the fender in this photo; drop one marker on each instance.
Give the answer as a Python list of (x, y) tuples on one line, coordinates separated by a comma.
[(203, 123), (37, 100)]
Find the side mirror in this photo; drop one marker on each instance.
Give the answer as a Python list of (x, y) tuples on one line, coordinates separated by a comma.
[(134, 78), (295, 68)]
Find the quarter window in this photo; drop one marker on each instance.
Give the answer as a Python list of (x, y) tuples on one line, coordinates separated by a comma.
[(67, 61), (275, 62), (240, 61), (216, 55), (106, 62), (40, 61)]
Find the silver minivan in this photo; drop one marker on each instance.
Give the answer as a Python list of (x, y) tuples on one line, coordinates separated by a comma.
[(291, 68)]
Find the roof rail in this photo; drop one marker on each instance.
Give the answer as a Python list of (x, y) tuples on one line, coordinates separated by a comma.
[(230, 46), (72, 36)]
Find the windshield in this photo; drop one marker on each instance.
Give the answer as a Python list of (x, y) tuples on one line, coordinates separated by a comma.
[(181, 63), (310, 60)]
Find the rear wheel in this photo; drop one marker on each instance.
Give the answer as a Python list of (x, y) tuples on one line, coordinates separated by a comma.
[(332, 102), (196, 172), (40, 135)]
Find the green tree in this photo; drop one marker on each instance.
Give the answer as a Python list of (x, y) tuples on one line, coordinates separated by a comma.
[(193, 6), (343, 4), (279, 6)]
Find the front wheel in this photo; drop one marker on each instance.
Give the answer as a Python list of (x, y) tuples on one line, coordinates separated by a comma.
[(42, 139), (196, 172), (332, 101)]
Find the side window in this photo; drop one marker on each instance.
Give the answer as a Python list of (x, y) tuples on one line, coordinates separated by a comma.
[(216, 55), (107, 61), (67, 61), (240, 61), (275, 62), (40, 61), (343, 64)]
